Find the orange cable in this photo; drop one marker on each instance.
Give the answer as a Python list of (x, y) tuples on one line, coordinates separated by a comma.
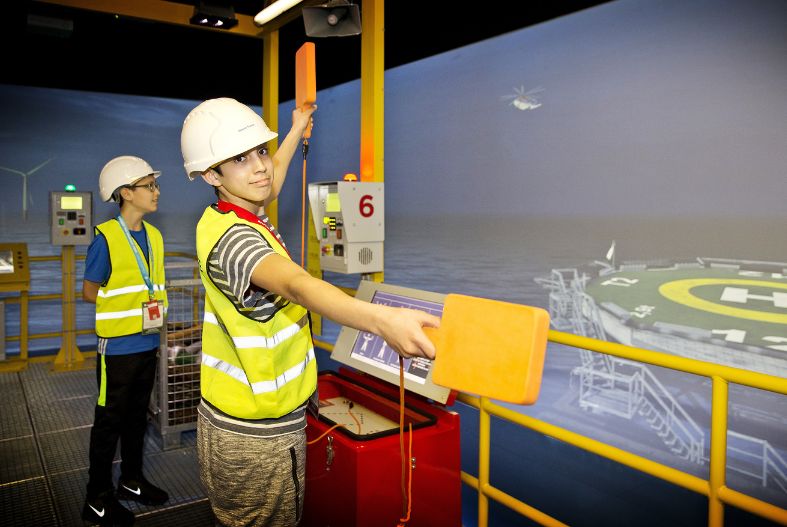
[(303, 206), (407, 493), (401, 432), (403, 521), (349, 411), (337, 425)]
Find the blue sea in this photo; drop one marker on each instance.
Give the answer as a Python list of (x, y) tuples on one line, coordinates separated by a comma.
[(499, 257)]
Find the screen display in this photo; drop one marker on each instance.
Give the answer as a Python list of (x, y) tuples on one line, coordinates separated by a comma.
[(332, 203), (373, 350), (71, 202), (6, 262)]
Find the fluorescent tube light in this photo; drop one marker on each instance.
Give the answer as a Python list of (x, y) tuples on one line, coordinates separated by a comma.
[(274, 10)]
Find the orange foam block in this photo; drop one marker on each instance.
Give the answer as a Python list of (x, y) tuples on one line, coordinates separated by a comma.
[(305, 76), (490, 348)]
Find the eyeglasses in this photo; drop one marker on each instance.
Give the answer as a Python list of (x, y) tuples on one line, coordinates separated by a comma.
[(153, 186)]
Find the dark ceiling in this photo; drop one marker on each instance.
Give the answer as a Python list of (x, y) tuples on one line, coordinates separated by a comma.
[(122, 55)]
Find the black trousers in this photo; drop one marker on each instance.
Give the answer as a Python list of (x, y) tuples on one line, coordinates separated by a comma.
[(121, 413)]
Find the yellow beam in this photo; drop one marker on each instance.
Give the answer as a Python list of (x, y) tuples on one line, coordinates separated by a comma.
[(158, 11), (372, 90), (373, 97), (270, 104), (718, 450)]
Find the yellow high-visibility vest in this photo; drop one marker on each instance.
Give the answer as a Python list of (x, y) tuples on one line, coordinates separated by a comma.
[(251, 369), (119, 300)]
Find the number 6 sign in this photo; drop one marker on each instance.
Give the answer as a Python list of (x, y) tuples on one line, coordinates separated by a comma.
[(365, 206)]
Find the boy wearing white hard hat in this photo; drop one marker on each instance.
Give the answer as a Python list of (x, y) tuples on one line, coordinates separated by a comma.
[(258, 366), (124, 277)]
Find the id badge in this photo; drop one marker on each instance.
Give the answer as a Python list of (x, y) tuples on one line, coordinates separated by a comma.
[(152, 317)]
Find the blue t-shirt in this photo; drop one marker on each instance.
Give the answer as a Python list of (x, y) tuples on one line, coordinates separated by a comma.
[(97, 269)]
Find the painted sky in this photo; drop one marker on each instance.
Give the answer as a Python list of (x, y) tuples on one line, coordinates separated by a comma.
[(650, 109)]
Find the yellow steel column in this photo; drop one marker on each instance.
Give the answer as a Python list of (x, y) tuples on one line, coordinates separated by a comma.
[(718, 451), (372, 90), (373, 95), (24, 299), (69, 357), (270, 104), (484, 442)]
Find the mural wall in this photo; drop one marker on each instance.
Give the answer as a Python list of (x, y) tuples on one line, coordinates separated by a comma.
[(623, 167)]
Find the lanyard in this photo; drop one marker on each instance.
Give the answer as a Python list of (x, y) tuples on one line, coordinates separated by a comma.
[(142, 269)]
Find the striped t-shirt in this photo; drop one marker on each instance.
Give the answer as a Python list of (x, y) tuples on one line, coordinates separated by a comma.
[(230, 265)]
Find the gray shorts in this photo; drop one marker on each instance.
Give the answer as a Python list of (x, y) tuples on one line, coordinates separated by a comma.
[(252, 480)]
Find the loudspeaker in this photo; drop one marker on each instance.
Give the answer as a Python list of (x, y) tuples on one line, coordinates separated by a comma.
[(337, 18)]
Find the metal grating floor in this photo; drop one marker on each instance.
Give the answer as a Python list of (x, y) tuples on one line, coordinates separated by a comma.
[(44, 434)]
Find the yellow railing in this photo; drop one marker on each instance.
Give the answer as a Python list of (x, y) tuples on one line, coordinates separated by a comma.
[(24, 316), (714, 488)]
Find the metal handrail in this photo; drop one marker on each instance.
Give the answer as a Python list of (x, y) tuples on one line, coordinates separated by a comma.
[(15, 299), (714, 488)]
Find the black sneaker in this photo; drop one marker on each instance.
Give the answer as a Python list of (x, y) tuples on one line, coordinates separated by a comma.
[(141, 490), (106, 510)]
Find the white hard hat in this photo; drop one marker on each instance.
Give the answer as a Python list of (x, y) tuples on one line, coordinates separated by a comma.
[(217, 130), (122, 170)]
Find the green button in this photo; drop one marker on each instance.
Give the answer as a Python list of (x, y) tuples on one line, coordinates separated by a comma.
[(61, 221), (324, 232)]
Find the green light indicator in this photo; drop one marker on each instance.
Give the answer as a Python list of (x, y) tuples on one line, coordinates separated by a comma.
[(70, 187)]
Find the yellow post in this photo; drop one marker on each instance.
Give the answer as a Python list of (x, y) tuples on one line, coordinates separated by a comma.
[(372, 90), (484, 443), (19, 363), (69, 357), (718, 451), (373, 95), (270, 103), (24, 299)]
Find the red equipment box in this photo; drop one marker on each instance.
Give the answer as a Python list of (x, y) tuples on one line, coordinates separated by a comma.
[(353, 474)]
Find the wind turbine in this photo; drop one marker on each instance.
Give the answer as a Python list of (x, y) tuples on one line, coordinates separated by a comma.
[(24, 182)]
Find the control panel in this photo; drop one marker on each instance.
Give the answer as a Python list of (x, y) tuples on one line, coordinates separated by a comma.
[(349, 221), (14, 267), (71, 218)]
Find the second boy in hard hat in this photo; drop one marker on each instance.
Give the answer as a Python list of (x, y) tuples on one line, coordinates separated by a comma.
[(258, 365), (124, 277)]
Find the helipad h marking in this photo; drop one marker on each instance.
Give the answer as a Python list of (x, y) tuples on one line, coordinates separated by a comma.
[(680, 291)]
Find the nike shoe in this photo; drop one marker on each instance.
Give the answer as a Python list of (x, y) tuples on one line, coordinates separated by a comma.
[(106, 510), (141, 490)]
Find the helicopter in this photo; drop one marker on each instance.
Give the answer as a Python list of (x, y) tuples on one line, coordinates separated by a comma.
[(524, 100)]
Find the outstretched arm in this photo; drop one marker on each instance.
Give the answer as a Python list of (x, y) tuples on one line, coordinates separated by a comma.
[(287, 148), (401, 328)]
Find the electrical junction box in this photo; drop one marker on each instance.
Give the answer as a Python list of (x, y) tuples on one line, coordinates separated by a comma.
[(353, 464), (349, 221), (71, 218)]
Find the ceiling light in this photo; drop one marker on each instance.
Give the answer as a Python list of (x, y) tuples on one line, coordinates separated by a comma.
[(214, 16), (274, 10)]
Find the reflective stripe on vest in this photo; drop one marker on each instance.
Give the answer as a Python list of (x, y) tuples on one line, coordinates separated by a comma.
[(251, 369), (258, 387), (125, 290), (261, 341), (119, 301)]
